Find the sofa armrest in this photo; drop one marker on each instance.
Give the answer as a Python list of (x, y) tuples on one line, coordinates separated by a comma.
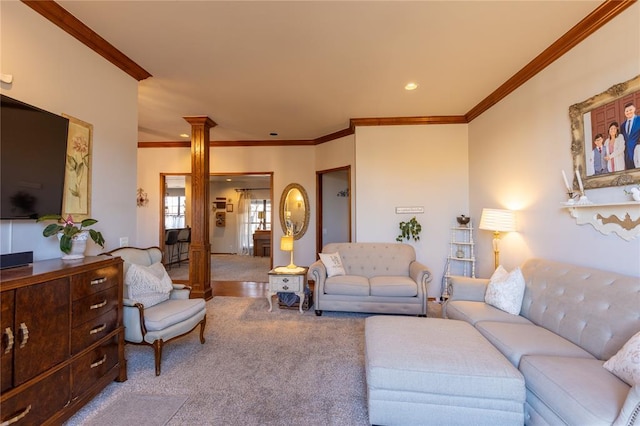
[(318, 273), (465, 288), (630, 413), (420, 273), (180, 293)]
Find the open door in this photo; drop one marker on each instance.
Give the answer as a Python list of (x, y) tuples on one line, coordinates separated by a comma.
[(334, 206)]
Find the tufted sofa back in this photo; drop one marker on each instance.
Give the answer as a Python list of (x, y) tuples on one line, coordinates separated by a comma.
[(597, 310), (374, 259)]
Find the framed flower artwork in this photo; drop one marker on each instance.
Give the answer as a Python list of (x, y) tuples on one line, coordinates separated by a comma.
[(77, 179)]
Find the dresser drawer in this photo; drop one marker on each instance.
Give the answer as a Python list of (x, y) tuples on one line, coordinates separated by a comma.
[(36, 403), (93, 330), (94, 281), (88, 369), (286, 283), (93, 306)]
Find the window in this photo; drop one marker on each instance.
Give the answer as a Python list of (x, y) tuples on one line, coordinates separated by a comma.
[(257, 207), (174, 212)]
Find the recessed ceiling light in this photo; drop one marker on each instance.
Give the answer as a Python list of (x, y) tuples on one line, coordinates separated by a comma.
[(184, 135), (411, 86), (228, 179)]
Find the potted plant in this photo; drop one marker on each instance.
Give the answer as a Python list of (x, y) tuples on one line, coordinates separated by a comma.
[(409, 230), (68, 231)]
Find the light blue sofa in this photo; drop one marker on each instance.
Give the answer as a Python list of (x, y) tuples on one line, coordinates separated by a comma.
[(572, 320)]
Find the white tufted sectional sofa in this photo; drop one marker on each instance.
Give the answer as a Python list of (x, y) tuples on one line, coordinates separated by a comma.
[(380, 278), (572, 320)]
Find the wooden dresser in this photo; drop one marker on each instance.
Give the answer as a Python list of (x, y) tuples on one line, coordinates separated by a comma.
[(62, 337), (262, 243)]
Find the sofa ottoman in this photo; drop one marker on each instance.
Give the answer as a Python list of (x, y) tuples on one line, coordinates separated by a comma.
[(435, 371)]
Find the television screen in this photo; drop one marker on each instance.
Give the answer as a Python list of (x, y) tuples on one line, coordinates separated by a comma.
[(33, 147)]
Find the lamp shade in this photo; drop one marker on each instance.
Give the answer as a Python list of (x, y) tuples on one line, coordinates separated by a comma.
[(260, 215), (498, 220), (286, 243)]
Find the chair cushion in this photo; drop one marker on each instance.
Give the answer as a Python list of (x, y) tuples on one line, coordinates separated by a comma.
[(395, 286), (348, 285), (626, 363), (516, 340), (148, 285), (577, 390), (473, 312), (170, 312), (505, 290), (332, 263)]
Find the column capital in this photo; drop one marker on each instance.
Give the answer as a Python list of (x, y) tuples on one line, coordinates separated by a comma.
[(201, 120)]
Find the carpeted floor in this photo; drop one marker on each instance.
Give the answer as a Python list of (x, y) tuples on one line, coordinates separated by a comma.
[(256, 368), (229, 267)]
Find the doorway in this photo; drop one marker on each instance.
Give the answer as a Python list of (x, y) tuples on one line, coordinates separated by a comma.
[(227, 215), (334, 206)]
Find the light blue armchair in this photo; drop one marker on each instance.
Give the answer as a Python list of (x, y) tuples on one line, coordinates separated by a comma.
[(158, 324)]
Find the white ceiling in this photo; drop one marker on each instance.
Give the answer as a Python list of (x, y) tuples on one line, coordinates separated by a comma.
[(304, 68)]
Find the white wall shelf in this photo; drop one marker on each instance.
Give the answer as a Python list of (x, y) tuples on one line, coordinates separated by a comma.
[(622, 219)]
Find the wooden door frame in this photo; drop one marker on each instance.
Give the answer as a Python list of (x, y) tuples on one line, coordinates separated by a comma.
[(319, 202)]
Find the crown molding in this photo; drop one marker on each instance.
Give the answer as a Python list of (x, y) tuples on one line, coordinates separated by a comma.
[(583, 29), (72, 25), (604, 13), (405, 121)]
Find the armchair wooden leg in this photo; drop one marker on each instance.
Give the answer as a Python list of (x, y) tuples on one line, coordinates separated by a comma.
[(202, 324), (157, 348)]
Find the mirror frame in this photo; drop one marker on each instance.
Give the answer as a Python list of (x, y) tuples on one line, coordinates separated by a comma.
[(305, 199)]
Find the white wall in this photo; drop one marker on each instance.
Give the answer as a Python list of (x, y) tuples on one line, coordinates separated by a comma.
[(412, 166), (519, 147), (55, 72)]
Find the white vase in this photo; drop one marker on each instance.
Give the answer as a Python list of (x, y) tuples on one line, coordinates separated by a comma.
[(78, 246)]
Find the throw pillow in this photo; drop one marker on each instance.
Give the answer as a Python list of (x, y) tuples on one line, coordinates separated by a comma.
[(506, 290), (626, 363), (148, 285), (333, 263)]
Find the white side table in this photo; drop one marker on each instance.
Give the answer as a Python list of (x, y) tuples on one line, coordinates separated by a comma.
[(287, 282)]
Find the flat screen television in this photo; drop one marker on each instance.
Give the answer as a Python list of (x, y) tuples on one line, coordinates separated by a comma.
[(33, 149)]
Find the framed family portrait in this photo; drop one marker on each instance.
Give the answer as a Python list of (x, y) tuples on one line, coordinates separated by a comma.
[(605, 136)]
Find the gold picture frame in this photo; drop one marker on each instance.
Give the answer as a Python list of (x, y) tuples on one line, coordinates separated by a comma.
[(77, 178), (604, 107)]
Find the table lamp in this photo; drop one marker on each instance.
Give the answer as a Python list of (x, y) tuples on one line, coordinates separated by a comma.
[(262, 222), (497, 220), (286, 244)]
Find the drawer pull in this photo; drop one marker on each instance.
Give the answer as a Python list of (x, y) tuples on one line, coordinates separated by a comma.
[(97, 329), (285, 280), (9, 334), (17, 417), (98, 281), (285, 287), (24, 333), (100, 362), (98, 305)]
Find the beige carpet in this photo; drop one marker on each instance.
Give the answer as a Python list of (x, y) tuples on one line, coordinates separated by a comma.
[(229, 267), (139, 410), (255, 368)]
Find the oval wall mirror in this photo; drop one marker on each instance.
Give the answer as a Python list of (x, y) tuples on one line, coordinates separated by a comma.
[(294, 210)]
